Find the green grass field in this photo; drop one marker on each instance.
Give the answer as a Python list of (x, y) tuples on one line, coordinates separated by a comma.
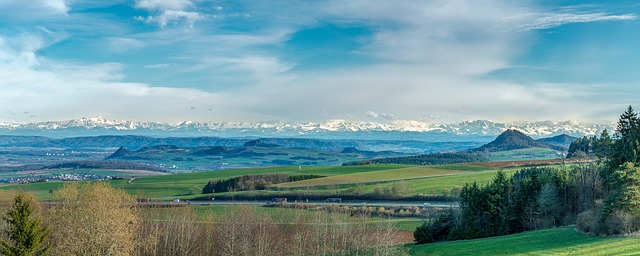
[(524, 154), (382, 175), (192, 183), (463, 167), (557, 241), (362, 179), (437, 185)]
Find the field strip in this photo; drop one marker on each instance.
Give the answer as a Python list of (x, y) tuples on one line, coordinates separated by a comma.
[(386, 180), (375, 176)]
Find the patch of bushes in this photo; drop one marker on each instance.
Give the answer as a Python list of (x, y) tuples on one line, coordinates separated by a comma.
[(437, 229)]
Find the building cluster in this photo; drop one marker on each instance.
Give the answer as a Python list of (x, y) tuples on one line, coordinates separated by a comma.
[(56, 177)]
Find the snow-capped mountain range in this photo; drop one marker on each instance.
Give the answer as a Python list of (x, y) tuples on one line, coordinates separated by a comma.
[(398, 129)]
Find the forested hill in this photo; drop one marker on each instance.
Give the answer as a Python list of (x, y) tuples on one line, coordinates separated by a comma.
[(512, 139), (562, 140), (426, 159)]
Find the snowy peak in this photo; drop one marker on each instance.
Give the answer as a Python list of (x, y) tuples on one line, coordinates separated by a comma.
[(100, 125)]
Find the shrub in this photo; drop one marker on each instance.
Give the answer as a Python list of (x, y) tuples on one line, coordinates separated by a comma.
[(93, 219), (586, 220), (424, 233), (618, 223), (435, 230)]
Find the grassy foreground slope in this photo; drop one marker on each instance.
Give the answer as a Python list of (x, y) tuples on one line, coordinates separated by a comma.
[(557, 241)]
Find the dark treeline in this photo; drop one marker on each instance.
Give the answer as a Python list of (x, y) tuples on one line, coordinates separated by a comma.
[(426, 159), (253, 182), (533, 198), (591, 146), (602, 198)]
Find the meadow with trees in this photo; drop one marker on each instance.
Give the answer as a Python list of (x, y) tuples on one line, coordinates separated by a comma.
[(601, 197)]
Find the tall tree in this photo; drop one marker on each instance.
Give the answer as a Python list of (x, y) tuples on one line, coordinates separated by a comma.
[(24, 229), (603, 146), (626, 146)]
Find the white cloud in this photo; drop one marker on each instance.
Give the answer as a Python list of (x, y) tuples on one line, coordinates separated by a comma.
[(533, 21), (168, 12), (33, 9), (163, 5), (53, 90), (121, 45), (452, 37), (428, 61), (158, 66)]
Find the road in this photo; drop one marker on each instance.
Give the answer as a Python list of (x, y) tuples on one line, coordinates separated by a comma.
[(349, 203)]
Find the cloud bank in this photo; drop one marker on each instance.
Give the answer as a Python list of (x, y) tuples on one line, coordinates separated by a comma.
[(224, 61)]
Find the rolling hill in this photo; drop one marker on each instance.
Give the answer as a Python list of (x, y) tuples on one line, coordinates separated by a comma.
[(561, 140), (513, 139)]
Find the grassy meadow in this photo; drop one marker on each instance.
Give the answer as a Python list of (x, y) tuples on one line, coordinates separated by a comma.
[(345, 180), (366, 178), (524, 154), (556, 241)]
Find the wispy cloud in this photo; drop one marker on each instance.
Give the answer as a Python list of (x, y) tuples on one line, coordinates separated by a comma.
[(158, 66), (57, 90), (425, 60), (165, 12), (33, 10), (551, 20), (121, 45)]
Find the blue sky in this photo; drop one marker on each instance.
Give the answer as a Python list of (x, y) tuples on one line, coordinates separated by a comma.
[(215, 60)]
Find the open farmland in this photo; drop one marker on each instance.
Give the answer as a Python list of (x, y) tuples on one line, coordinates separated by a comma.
[(382, 175), (339, 180), (192, 183), (557, 241), (431, 186), (524, 154)]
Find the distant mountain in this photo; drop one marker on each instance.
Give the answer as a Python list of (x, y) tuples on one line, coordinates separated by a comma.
[(562, 140), (512, 139), (331, 129), (122, 151)]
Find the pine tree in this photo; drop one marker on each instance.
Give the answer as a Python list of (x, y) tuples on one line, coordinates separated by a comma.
[(603, 145), (24, 229), (626, 146)]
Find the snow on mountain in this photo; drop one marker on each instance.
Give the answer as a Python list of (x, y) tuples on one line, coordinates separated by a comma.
[(466, 128)]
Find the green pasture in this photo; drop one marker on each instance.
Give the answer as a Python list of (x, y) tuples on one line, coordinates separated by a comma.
[(463, 167), (382, 175), (557, 241), (191, 183), (524, 154), (364, 179), (437, 185)]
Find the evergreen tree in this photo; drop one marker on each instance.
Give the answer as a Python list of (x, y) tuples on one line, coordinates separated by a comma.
[(626, 146), (24, 229), (621, 178), (626, 195), (500, 214), (603, 145)]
